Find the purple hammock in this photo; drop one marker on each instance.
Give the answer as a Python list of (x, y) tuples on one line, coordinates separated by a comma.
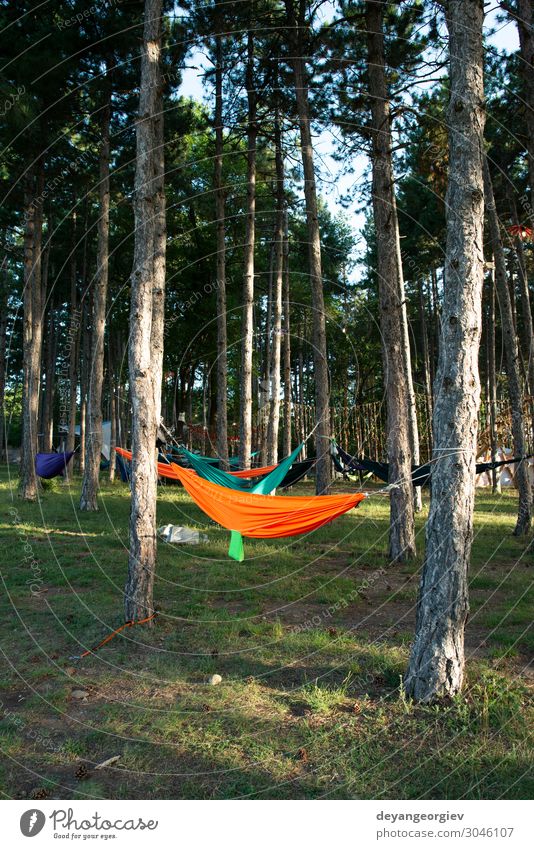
[(51, 465)]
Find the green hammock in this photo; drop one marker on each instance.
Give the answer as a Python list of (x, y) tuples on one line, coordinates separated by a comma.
[(266, 485), (232, 461)]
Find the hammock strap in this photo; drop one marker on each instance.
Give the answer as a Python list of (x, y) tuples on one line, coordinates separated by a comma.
[(114, 633)]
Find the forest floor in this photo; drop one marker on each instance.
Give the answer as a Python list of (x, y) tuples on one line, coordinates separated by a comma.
[(310, 635)]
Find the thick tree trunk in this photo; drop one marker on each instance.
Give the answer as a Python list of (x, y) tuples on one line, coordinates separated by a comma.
[(287, 345), (402, 434), (32, 332), (436, 666), (511, 358), (146, 323), (222, 342), (93, 435), (323, 475), (278, 280), (245, 407)]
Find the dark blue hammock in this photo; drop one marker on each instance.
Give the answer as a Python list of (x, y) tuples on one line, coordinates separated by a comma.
[(51, 465), (420, 474)]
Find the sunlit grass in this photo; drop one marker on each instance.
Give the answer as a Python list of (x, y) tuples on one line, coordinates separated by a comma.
[(310, 635)]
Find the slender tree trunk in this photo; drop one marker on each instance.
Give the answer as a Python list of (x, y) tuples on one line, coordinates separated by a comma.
[(426, 360), (47, 426), (436, 666), (32, 332), (245, 409), (72, 338), (526, 309), (85, 373), (402, 431), (3, 345), (287, 344), (521, 11), (112, 411), (222, 342), (93, 435), (278, 281), (323, 474), (264, 388), (146, 324), (492, 381), (511, 358)]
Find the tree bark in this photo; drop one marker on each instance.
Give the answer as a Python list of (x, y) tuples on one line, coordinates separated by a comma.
[(278, 280), (93, 435), (146, 322), (524, 291), (245, 407), (32, 331), (427, 380), (287, 344), (222, 342), (402, 436), (492, 381), (521, 11), (50, 352), (73, 339), (323, 474), (436, 666), (511, 359), (4, 287)]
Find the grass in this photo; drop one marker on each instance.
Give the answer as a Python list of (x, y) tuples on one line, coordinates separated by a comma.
[(310, 635)]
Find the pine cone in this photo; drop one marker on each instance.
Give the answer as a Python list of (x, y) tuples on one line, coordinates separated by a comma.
[(39, 793), (82, 772)]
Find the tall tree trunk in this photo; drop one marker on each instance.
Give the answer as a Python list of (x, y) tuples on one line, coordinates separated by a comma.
[(526, 309), (146, 322), (278, 280), (492, 379), (323, 474), (85, 373), (521, 11), (511, 358), (245, 408), (4, 288), (401, 428), (72, 338), (222, 342), (264, 387), (112, 411), (47, 426), (427, 381), (287, 344), (93, 435), (436, 666), (32, 331)]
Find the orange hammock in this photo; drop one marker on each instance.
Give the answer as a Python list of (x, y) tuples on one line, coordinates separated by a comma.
[(264, 516), (253, 473), (252, 515)]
